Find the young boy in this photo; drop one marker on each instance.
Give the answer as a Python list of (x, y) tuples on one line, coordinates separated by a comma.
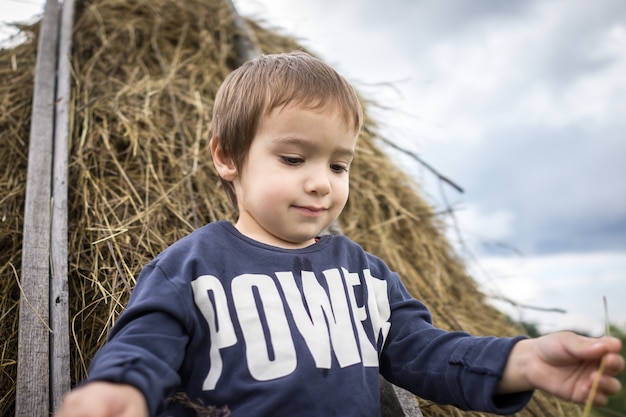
[(271, 318)]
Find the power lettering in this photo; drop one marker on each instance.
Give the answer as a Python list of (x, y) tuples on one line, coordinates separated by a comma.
[(327, 317)]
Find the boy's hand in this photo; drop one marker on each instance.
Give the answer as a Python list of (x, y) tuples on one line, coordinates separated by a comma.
[(564, 364), (104, 399)]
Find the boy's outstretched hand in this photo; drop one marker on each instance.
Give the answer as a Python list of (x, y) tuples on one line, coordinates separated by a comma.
[(104, 399), (564, 364)]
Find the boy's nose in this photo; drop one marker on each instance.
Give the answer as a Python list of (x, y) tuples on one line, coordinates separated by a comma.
[(318, 182)]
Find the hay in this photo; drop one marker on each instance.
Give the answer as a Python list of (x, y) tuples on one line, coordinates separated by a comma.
[(144, 76)]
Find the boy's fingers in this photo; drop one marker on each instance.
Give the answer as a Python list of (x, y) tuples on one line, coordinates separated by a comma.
[(614, 364), (607, 387), (592, 348)]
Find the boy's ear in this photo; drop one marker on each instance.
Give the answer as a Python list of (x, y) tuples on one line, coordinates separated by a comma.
[(225, 166)]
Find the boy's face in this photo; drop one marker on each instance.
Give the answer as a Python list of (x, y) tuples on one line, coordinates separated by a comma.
[(294, 182)]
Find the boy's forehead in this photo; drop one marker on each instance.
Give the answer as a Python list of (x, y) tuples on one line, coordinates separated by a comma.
[(305, 105), (289, 126), (333, 111), (328, 108), (344, 147)]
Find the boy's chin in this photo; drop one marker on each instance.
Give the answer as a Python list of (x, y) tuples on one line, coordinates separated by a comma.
[(331, 229)]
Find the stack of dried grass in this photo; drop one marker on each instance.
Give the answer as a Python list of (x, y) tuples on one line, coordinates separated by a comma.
[(144, 76)]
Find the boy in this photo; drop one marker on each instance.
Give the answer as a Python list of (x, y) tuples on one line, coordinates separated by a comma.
[(269, 318)]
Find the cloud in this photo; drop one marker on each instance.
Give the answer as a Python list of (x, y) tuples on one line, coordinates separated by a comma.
[(563, 187), (525, 114), (17, 12), (574, 283)]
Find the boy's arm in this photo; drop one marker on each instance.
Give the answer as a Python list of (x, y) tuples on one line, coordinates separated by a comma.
[(564, 364), (104, 399), (145, 348)]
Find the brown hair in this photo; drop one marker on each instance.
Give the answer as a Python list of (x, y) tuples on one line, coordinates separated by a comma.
[(260, 85)]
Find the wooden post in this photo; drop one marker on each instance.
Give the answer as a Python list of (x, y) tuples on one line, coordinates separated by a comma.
[(32, 385), (407, 401), (245, 44), (59, 292)]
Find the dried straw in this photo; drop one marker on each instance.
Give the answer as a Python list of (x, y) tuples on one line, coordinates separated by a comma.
[(144, 76)]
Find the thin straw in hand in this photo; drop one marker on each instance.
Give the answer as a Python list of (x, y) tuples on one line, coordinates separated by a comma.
[(596, 381)]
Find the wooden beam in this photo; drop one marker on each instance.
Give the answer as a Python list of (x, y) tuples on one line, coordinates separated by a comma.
[(59, 292), (407, 401), (245, 40), (32, 385)]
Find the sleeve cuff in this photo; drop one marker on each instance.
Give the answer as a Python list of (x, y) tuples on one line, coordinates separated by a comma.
[(477, 366)]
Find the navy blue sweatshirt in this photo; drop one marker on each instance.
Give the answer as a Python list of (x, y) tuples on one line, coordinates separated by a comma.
[(274, 332)]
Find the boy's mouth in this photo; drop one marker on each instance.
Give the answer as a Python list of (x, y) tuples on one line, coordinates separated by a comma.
[(311, 210)]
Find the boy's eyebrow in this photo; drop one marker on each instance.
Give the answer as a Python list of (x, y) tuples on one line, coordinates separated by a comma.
[(291, 140)]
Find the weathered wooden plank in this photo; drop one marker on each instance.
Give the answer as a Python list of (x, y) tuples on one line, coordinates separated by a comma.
[(59, 292), (245, 44), (32, 385), (408, 402)]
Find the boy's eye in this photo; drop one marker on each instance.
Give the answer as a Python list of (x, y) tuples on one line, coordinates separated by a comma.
[(338, 168), (292, 160)]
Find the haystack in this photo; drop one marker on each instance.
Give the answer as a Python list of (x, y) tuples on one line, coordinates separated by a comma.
[(144, 76)]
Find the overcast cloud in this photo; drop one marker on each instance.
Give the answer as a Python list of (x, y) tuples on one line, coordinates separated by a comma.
[(522, 104)]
